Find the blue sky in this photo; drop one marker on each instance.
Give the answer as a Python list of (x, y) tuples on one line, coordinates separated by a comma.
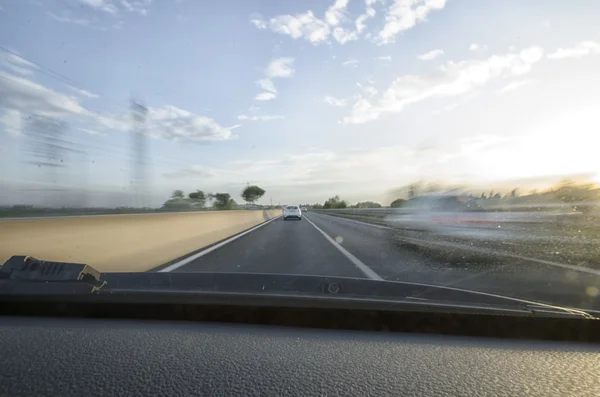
[(305, 98)]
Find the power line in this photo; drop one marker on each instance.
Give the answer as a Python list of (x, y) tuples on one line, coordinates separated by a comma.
[(51, 73), (45, 70)]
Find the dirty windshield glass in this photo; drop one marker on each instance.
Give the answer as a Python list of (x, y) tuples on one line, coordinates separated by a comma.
[(442, 142)]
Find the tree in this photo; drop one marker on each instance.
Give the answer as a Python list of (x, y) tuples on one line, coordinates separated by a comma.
[(334, 202), (252, 193), (231, 205), (198, 198), (398, 203), (367, 204), (223, 201), (514, 192), (197, 195), (177, 194)]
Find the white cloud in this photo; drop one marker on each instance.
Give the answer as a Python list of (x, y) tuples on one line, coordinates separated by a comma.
[(335, 13), (317, 31), (309, 27), (16, 64), (277, 68), (513, 86), (320, 171), (428, 56), (26, 95), (369, 90), (82, 92), (265, 96), (350, 62), (305, 26), (191, 172), (91, 132), (267, 85), (258, 118), (386, 58), (18, 69), (446, 108), (333, 101), (362, 18), (170, 123), (14, 58), (259, 23), (280, 67), (177, 124), (343, 36), (403, 15), (101, 5), (137, 6), (477, 47), (10, 122), (453, 79), (69, 19), (581, 50), (23, 96)]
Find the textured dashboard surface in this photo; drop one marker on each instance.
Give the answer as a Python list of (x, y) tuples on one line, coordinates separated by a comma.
[(70, 357)]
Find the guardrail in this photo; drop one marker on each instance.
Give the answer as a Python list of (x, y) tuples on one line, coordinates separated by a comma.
[(372, 212), (559, 213), (566, 207)]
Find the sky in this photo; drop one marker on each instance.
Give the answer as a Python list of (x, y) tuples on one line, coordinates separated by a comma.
[(306, 99)]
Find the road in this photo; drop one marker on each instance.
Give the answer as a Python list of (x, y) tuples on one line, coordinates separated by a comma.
[(326, 245)]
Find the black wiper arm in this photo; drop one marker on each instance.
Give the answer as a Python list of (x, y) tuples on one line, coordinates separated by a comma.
[(23, 274)]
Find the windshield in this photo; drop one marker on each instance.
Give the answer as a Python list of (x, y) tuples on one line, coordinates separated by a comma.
[(441, 142)]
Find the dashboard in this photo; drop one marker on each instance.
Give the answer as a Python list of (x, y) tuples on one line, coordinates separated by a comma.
[(71, 356)]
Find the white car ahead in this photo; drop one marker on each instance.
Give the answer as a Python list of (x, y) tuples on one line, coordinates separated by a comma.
[(292, 211)]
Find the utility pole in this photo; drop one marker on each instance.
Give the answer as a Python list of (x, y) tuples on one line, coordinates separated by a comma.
[(46, 148), (138, 134)]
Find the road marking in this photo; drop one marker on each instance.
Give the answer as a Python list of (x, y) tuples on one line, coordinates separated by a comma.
[(357, 262), (197, 255), (476, 249)]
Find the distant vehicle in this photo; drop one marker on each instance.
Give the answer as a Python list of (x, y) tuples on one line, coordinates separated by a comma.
[(303, 209), (292, 211)]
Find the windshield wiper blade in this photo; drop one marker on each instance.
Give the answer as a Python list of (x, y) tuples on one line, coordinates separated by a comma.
[(543, 309), (531, 306), (28, 274)]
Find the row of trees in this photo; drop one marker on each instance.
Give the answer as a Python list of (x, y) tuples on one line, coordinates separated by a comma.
[(566, 191), (220, 201), (337, 202)]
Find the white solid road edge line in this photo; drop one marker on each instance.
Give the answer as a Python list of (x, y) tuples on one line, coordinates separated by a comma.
[(197, 255), (357, 262)]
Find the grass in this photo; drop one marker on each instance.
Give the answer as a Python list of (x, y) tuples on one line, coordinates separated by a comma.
[(573, 242)]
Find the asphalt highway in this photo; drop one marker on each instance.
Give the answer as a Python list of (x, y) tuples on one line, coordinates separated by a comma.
[(326, 245)]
